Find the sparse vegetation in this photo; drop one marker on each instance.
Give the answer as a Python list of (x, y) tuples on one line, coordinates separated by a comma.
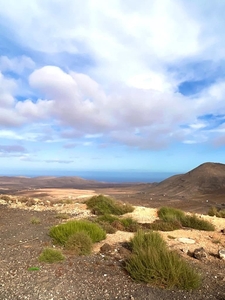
[(66, 201), (33, 269), (196, 223), (35, 220), (102, 205), (169, 214), (61, 233), (152, 262), (213, 211), (172, 215), (216, 241), (80, 243), (5, 198), (50, 255), (161, 225), (123, 224), (62, 216)]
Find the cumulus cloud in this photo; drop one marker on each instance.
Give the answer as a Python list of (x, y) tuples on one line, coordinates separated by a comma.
[(130, 95)]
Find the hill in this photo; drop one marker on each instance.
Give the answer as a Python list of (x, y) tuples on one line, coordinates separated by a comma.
[(208, 178)]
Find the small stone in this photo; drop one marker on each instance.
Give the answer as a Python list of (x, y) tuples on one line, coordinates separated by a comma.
[(200, 253), (221, 253), (186, 241), (106, 248)]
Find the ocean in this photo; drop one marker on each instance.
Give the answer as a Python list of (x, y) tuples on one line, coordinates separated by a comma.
[(105, 176)]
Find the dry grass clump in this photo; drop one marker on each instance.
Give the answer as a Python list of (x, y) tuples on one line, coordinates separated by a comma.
[(79, 243), (123, 224), (161, 225), (62, 216), (213, 211), (35, 220), (5, 198), (50, 255), (152, 262), (61, 233), (102, 205)]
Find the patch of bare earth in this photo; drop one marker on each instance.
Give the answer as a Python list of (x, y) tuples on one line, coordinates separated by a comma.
[(100, 275)]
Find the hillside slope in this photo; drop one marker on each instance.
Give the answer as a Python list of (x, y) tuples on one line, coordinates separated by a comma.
[(208, 178)]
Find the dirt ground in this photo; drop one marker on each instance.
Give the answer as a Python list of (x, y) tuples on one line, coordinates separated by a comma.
[(100, 275)]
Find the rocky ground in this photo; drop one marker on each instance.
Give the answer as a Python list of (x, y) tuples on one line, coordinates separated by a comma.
[(100, 275)]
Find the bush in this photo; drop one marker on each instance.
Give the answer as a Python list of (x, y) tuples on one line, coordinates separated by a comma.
[(130, 224), (107, 227), (80, 243), (169, 214), (213, 211), (196, 223), (172, 215), (152, 262), (164, 226), (62, 232), (107, 218), (123, 224), (50, 255), (102, 205)]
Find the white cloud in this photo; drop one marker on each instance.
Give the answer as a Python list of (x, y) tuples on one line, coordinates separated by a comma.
[(16, 64), (129, 94), (8, 87)]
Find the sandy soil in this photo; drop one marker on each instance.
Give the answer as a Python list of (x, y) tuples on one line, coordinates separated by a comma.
[(98, 276)]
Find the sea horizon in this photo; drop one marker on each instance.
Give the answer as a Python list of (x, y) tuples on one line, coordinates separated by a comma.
[(101, 176)]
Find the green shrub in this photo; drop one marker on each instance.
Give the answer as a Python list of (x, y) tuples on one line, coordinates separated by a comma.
[(50, 255), (171, 215), (80, 243), (102, 205), (123, 224), (196, 223), (62, 232), (165, 226), (130, 224), (152, 262), (143, 241), (107, 218)]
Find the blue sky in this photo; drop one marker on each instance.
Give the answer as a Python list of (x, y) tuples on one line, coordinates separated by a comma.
[(111, 85)]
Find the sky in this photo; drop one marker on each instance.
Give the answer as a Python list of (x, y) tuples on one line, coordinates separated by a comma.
[(98, 85)]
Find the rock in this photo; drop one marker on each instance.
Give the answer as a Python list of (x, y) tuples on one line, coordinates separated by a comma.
[(106, 248), (221, 253), (223, 230), (124, 252), (200, 254), (186, 241)]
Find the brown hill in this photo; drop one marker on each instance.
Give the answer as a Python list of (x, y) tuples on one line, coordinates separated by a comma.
[(46, 182), (208, 178)]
